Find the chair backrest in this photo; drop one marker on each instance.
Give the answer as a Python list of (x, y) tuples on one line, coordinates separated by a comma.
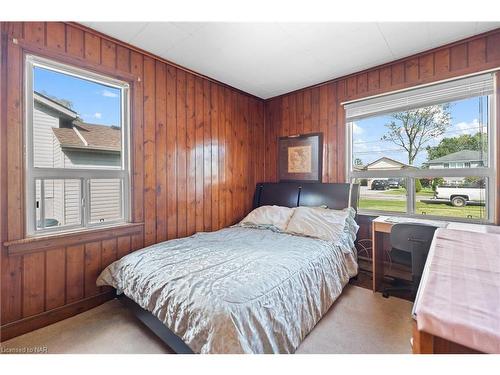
[(415, 238), (412, 236)]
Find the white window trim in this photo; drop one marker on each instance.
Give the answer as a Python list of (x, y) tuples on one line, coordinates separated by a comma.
[(409, 175), (84, 175)]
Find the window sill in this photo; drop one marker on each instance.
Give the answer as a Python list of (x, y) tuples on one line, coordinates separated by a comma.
[(451, 219), (44, 242)]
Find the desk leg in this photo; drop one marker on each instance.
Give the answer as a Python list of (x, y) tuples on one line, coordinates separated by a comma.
[(377, 260), (423, 342)]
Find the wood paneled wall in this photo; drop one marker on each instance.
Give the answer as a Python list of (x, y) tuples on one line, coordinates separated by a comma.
[(197, 151), (307, 111), (318, 108)]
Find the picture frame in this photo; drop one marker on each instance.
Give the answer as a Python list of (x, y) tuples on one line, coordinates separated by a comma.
[(301, 158)]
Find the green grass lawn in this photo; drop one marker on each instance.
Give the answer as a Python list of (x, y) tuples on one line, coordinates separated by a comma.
[(436, 209), (380, 205)]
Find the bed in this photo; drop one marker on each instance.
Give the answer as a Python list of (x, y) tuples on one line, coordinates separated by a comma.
[(239, 289)]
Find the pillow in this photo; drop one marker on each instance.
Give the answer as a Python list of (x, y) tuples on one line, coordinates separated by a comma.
[(271, 217), (317, 222)]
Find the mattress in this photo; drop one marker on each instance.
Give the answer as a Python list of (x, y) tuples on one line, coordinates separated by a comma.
[(238, 290)]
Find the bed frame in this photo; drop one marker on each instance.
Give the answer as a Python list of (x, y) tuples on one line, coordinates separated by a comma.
[(288, 194), (294, 194)]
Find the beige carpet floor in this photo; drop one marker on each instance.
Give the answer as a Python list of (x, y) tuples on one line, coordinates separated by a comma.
[(358, 322)]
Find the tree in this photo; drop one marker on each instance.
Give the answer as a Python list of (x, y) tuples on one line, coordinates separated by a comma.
[(438, 181), (358, 162), (412, 129), (448, 146), (418, 186), (426, 182)]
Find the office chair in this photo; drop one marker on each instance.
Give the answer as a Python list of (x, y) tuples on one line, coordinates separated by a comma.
[(410, 245)]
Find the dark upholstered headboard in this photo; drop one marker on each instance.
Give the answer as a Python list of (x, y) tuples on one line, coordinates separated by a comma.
[(294, 194)]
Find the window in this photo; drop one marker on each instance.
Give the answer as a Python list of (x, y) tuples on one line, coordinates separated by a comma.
[(426, 151), (76, 148)]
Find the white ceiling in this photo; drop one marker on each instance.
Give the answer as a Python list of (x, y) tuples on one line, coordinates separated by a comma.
[(269, 59)]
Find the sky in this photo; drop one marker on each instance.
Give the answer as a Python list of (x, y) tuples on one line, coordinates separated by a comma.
[(94, 103), (367, 133)]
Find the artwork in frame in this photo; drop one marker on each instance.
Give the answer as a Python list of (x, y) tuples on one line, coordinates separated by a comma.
[(300, 157)]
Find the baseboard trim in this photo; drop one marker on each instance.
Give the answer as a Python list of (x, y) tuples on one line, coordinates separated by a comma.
[(22, 326)]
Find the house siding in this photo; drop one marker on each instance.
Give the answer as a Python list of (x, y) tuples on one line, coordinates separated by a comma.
[(91, 159), (105, 194), (451, 165), (72, 199), (105, 200), (62, 197), (44, 138), (43, 156)]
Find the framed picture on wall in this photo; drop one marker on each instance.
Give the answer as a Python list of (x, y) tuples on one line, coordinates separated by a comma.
[(300, 157)]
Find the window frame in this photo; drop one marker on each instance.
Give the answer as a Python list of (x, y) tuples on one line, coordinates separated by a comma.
[(410, 175), (32, 173)]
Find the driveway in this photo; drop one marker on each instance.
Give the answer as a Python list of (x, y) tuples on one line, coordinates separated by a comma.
[(367, 193)]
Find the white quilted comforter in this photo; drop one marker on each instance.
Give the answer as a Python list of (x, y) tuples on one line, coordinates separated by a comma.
[(238, 290)]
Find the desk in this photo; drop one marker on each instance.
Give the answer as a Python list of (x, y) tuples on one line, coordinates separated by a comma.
[(457, 309), (439, 312), (381, 225)]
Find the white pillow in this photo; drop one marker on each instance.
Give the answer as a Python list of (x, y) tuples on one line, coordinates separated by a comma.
[(268, 216), (317, 222)]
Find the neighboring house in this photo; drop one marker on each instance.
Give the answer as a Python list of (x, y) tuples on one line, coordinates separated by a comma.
[(63, 141), (459, 159), (383, 164), (358, 167)]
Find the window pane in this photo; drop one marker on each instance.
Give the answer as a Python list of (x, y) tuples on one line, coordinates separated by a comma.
[(105, 200), (450, 135), (58, 203), (458, 197), (382, 194), (76, 122)]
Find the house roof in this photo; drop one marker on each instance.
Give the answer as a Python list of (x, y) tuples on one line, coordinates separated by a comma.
[(89, 137), (403, 165), (459, 156), (79, 134), (55, 106)]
